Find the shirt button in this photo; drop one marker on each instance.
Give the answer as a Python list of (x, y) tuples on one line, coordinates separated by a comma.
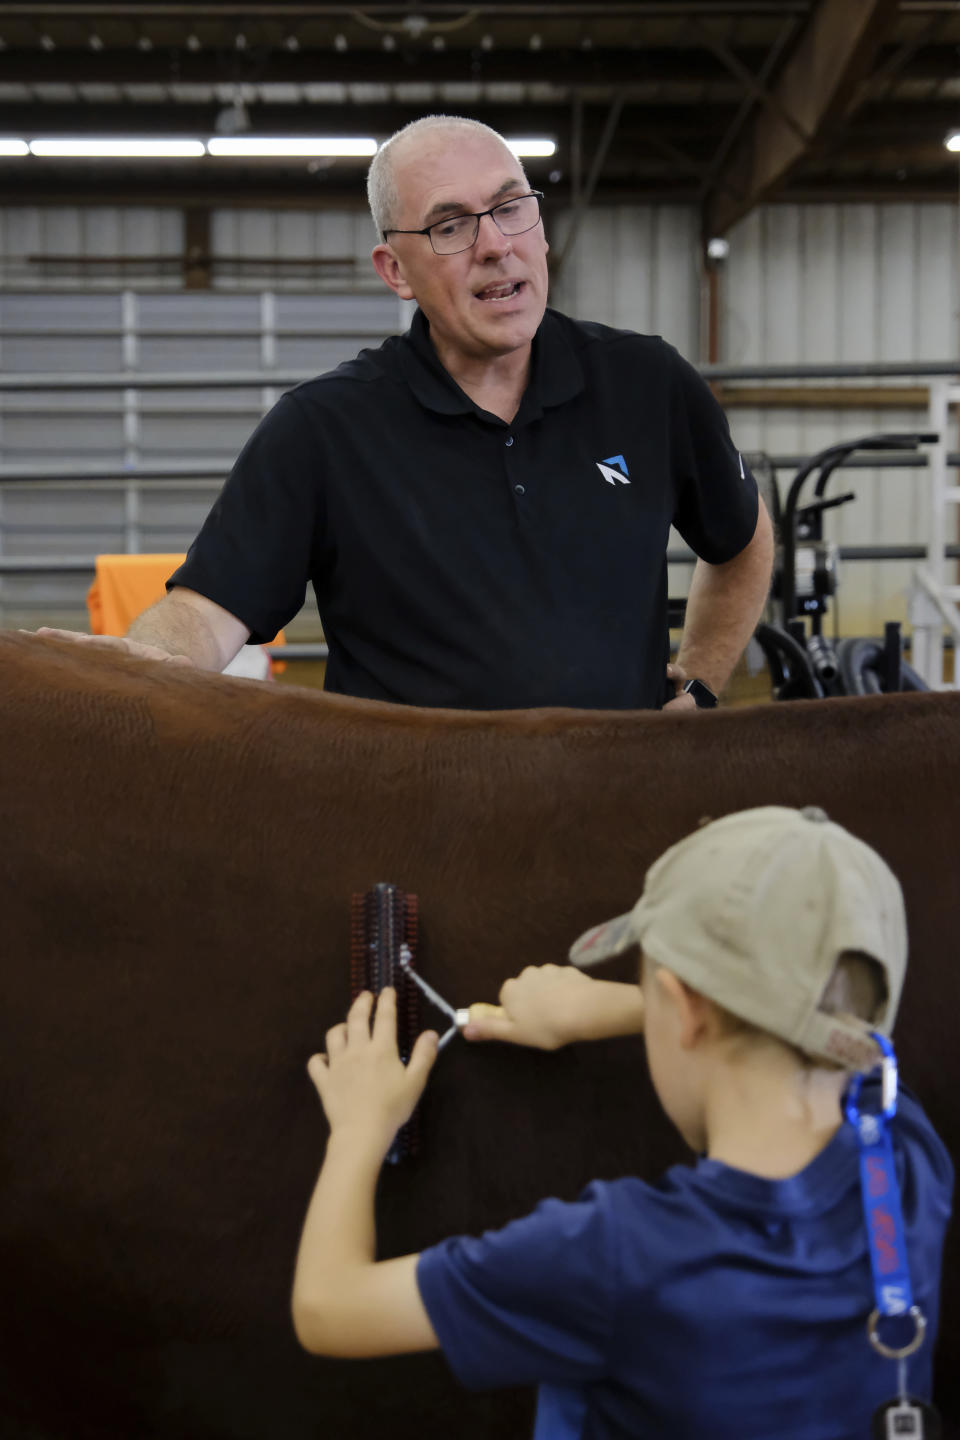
[(509, 440), (520, 489)]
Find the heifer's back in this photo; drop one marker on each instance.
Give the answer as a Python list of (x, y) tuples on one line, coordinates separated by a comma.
[(178, 855)]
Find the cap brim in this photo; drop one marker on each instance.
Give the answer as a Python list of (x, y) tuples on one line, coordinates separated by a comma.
[(603, 941)]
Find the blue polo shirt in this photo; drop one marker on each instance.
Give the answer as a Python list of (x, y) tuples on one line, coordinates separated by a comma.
[(458, 560), (713, 1303)]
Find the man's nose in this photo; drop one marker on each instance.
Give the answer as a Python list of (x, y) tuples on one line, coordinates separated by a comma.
[(490, 238)]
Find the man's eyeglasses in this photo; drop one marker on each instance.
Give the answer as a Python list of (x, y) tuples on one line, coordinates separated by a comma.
[(459, 232)]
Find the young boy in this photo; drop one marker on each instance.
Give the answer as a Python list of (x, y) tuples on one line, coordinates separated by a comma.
[(730, 1298)]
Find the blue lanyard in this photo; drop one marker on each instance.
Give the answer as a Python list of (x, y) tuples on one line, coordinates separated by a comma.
[(881, 1194)]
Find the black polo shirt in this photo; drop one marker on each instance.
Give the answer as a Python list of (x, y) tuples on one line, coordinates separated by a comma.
[(461, 561)]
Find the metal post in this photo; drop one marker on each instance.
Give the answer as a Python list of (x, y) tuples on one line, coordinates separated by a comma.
[(925, 618), (268, 345), (129, 312)]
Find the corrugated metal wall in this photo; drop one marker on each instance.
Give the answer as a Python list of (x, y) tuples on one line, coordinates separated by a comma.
[(803, 284), (635, 267), (817, 284), (96, 231), (292, 235)]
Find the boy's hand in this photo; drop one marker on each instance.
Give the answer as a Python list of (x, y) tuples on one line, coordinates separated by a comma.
[(543, 1007), (365, 1088)]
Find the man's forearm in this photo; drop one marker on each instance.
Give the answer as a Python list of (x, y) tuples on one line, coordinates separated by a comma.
[(176, 626), (723, 607)]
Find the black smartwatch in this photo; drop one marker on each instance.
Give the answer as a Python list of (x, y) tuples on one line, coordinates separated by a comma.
[(703, 696)]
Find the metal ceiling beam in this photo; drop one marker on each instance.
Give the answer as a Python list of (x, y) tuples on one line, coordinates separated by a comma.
[(243, 191), (692, 128), (229, 9), (828, 65), (678, 124), (755, 85), (786, 34), (565, 65)]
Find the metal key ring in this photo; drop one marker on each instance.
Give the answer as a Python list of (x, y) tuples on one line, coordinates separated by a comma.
[(889, 1352)]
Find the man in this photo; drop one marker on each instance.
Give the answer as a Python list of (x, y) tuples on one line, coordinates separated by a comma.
[(482, 505)]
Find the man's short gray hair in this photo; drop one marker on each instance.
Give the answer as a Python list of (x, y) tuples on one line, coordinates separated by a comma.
[(381, 183)]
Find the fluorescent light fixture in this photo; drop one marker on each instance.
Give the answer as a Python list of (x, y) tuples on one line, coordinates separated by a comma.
[(952, 141), (121, 149), (14, 147), (291, 146), (532, 148)]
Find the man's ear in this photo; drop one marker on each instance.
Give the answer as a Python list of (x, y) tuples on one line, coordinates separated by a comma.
[(691, 1009), (390, 270)]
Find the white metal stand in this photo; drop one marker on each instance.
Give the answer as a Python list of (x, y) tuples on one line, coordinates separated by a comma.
[(932, 600)]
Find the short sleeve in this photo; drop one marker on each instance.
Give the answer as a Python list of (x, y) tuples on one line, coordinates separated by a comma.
[(531, 1304), (254, 553), (716, 500)]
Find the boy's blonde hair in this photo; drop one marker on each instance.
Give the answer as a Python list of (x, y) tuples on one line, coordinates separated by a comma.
[(857, 989)]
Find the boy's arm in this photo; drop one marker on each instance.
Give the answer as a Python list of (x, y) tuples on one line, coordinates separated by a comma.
[(345, 1303), (548, 1006)]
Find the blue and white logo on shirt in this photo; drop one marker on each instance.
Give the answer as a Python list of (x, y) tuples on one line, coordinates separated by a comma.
[(614, 469)]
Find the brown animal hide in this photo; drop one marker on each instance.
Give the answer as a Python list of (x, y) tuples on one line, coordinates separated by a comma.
[(177, 858)]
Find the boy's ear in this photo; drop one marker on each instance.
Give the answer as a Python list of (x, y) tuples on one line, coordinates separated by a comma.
[(693, 1011)]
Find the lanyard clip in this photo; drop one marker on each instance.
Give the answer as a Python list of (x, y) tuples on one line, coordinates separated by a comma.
[(888, 1076), (889, 1086)]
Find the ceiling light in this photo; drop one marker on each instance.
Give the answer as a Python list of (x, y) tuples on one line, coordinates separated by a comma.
[(952, 141), (292, 43), (14, 147), (438, 42), (486, 42), (294, 145), (240, 41), (144, 42), (535, 42), (121, 149), (193, 42), (95, 42), (388, 42), (48, 42), (340, 42), (532, 148)]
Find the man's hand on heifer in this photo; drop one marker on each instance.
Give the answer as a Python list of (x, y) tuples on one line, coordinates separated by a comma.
[(366, 1090), (114, 642), (680, 701)]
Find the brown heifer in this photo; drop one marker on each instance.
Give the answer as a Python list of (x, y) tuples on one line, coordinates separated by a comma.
[(178, 855)]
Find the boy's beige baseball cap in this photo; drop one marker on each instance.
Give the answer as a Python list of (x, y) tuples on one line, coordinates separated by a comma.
[(754, 911)]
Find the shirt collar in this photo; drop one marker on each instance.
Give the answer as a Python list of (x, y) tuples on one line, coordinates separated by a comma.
[(555, 372)]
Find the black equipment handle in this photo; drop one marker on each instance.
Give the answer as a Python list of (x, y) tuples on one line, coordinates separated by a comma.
[(826, 461)]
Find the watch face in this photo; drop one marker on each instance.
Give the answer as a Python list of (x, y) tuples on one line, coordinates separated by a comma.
[(703, 696)]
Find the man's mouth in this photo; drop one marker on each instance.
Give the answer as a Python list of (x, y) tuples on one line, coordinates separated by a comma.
[(503, 290)]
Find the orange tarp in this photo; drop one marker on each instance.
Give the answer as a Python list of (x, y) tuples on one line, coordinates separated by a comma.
[(125, 585)]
